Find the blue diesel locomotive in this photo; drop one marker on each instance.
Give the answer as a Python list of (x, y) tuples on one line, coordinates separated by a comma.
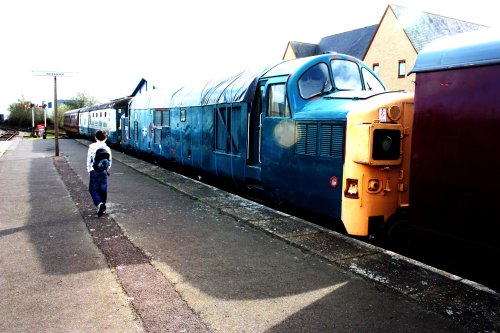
[(320, 133)]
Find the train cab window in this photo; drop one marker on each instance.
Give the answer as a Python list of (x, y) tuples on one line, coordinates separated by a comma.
[(183, 115), (315, 81), (371, 82), (346, 75), (277, 105)]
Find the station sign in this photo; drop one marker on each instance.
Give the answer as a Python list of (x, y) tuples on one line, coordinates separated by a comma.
[(53, 73)]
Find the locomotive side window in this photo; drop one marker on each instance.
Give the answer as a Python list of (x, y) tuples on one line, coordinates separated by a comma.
[(227, 129), (165, 120), (136, 128), (315, 81), (277, 105), (346, 75), (157, 126), (371, 82)]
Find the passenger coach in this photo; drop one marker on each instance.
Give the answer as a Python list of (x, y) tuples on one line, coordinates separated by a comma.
[(86, 121), (321, 133), (455, 181)]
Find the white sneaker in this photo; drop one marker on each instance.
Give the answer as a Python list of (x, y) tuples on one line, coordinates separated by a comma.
[(101, 208)]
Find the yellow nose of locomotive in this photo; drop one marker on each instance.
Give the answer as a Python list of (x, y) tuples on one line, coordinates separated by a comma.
[(375, 168)]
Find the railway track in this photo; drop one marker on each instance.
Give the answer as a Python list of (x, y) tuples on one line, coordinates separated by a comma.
[(8, 135)]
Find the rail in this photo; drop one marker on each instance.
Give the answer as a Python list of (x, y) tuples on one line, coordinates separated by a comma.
[(8, 135)]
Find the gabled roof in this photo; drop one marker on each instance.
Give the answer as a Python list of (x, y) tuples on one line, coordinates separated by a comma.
[(140, 85), (354, 42), (302, 50), (422, 28)]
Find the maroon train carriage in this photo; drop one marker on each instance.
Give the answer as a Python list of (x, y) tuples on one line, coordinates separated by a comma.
[(72, 123), (455, 165)]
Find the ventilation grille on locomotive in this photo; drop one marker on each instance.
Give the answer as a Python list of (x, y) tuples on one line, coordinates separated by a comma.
[(329, 143), (307, 139)]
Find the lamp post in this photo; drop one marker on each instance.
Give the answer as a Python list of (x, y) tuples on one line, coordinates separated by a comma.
[(56, 118)]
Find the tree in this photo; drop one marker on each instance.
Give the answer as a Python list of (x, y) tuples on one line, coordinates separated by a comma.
[(20, 112), (81, 100), (21, 116)]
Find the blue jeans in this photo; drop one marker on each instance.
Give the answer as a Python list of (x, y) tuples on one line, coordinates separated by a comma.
[(98, 187)]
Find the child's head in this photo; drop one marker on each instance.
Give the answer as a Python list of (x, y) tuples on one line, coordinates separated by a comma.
[(101, 135)]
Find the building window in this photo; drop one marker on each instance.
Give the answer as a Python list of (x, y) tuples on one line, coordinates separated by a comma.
[(402, 68), (375, 68)]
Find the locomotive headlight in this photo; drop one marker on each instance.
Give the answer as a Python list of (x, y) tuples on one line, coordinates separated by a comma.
[(374, 185), (386, 144), (394, 113), (377, 143)]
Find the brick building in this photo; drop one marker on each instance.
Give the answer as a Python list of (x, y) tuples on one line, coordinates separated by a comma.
[(389, 47)]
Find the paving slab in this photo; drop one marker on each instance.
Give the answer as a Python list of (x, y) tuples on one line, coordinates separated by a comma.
[(171, 249), (52, 276)]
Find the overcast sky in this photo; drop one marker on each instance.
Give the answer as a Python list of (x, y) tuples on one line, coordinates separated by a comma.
[(112, 44)]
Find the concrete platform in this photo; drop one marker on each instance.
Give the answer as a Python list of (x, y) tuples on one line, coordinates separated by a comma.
[(226, 263)]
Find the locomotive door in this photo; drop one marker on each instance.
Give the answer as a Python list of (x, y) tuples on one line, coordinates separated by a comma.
[(255, 129)]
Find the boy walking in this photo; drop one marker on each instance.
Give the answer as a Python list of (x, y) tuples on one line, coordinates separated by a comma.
[(98, 165)]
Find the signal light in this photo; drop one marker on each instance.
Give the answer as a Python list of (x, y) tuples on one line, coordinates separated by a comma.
[(334, 181), (394, 113)]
